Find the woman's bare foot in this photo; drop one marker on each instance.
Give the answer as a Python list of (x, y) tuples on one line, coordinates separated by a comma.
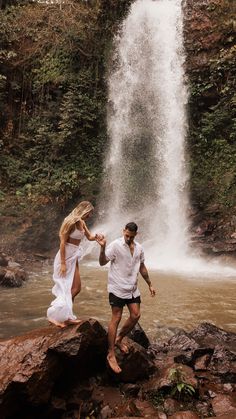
[(71, 321), (58, 324), (111, 359), (122, 346)]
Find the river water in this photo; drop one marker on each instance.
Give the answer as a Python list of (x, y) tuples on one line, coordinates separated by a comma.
[(181, 301)]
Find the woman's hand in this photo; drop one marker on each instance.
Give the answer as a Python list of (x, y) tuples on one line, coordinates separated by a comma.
[(99, 236), (100, 239), (63, 269)]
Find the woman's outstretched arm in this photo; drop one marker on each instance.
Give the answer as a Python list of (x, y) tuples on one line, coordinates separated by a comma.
[(90, 236)]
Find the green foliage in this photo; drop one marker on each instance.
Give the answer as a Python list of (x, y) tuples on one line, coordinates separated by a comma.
[(213, 157), (212, 131), (53, 96), (180, 388)]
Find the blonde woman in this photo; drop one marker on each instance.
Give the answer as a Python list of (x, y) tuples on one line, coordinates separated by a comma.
[(66, 264)]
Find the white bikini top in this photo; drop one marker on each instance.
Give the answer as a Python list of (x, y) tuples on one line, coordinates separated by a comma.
[(77, 234)]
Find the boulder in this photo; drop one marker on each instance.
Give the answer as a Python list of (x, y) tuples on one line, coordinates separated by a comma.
[(45, 362), (3, 260), (136, 365), (182, 342), (138, 335), (207, 334), (202, 363), (223, 404), (138, 408), (223, 364), (184, 415), (230, 415), (12, 276), (130, 390)]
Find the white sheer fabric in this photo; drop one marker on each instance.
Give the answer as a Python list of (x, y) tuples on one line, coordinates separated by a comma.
[(61, 309)]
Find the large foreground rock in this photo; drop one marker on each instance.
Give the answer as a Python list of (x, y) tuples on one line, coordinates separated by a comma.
[(46, 362), (44, 373)]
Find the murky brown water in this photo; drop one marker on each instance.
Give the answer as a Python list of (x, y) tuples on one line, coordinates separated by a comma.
[(180, 302)]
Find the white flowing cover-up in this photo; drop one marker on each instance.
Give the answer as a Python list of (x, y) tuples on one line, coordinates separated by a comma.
[(60, 309)]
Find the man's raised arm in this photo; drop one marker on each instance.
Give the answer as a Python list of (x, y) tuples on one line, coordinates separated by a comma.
[(102, 257)]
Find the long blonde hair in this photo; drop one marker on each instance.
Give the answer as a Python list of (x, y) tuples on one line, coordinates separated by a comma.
[(76, 215)]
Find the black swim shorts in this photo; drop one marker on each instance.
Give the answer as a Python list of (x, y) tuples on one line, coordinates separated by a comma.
[(121, 302)]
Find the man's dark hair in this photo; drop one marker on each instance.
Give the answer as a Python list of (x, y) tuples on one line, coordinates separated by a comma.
[(131, 227)]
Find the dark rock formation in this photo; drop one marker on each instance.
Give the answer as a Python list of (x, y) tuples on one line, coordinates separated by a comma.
[(62, 373), (47, 371), (209, 335), (3, 260), (12, 277), (11, 272), (36, 368), (136, 365), (139, 336)]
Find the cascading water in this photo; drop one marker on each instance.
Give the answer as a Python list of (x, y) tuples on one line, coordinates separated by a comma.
[(145, 170), (147, 97)]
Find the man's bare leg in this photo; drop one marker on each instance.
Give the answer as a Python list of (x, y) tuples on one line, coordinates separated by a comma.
[(112, 331), (134, 310)]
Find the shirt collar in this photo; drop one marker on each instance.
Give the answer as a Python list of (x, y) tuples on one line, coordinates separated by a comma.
[(123, 241)]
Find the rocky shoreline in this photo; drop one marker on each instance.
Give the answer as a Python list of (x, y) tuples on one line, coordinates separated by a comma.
[(62, 373)]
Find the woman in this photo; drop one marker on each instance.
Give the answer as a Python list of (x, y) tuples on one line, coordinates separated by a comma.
[(66, 264)]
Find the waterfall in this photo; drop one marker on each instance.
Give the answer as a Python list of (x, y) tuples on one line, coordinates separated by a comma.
[(145, 173), (145, 167)]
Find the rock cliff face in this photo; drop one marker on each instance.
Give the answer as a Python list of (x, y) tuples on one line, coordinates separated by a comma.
[(210, 68)]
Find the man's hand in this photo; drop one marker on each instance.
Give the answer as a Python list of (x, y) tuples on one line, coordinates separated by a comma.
[(102, 257), (100, 239), (63, 269), (152, 291)]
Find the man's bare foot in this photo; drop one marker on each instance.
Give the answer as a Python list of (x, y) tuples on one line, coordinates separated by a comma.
[(111, 359), (122, 346), (58, 324)]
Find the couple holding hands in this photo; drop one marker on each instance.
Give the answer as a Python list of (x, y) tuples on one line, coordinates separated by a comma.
[(126, 259)]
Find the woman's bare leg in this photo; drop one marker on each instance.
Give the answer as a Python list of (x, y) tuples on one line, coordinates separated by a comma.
[(75, 290), (76, 284)]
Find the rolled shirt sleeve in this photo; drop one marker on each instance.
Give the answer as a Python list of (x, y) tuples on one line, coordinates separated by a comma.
[(110, 252)]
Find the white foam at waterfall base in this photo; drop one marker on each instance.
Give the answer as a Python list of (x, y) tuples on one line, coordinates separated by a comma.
[(189, 265), (145, 172)]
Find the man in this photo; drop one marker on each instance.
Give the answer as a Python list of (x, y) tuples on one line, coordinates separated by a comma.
[(127, 260)]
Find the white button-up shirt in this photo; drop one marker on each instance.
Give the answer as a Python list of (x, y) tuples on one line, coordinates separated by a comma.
[(124, 268)]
